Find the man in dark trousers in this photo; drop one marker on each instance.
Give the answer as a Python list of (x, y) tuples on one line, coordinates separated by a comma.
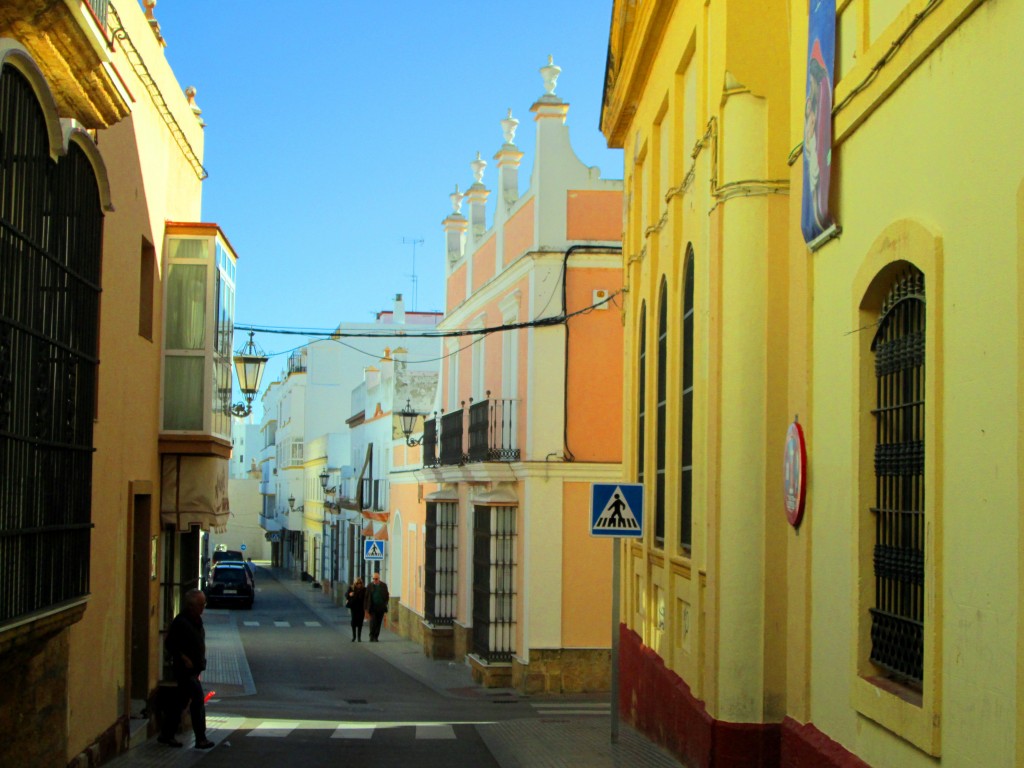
[(186, 645), (377, 597)]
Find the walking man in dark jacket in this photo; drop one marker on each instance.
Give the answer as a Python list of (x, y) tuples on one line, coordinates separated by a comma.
[(377, 597), (186, 645)]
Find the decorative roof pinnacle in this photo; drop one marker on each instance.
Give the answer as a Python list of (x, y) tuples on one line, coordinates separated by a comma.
[(456, 198), (550, 74), (478, 166), (508, 127)]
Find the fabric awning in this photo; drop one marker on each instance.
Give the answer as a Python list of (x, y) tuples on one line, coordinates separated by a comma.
[(194, 491)]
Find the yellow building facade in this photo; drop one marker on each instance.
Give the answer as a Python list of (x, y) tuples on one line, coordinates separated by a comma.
[(881, 630), (102, 151)]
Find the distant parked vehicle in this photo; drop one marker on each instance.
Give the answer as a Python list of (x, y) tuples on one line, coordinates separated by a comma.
[(228, 554), (231, 583)]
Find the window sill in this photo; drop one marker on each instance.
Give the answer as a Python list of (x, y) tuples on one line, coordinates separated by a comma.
[(902, 710)]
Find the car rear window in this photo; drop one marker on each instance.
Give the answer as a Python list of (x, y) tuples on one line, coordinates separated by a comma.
[(229, 575)]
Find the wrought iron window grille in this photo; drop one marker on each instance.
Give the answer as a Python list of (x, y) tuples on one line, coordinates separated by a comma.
[(897, 617)]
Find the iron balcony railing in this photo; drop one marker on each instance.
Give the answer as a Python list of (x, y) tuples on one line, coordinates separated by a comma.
[(452, 439), (492, 430), (430, 443), (491, 434), (99, 8)]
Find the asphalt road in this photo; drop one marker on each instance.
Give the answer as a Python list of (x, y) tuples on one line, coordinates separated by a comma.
[(322, 700)]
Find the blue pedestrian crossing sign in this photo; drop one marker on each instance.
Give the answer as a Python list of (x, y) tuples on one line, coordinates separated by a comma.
[(373, 549), (617, 509)]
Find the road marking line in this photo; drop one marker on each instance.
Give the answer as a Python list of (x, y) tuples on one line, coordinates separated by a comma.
[(352, 731), (274, 729), (251, 623), (435, 732), (592, 712), (281, 624), (313, 624)]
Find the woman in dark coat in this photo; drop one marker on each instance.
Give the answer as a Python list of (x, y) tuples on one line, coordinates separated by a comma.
[(354, 602)]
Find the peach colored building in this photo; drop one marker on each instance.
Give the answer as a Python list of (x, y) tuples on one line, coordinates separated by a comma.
[(500, 564)]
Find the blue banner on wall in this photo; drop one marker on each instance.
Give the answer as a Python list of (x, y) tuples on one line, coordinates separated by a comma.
[(815, 216)]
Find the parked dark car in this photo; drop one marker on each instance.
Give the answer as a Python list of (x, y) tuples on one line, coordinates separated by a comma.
[(230, 583)]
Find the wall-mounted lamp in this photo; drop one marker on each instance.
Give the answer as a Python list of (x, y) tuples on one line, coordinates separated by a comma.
[(291, 503), (249, 364), (408, 417)]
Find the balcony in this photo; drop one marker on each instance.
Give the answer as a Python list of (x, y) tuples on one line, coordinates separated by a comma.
[(490, 437), (71, 43)]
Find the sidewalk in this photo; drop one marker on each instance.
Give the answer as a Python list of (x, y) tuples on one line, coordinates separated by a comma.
[(558, 741)]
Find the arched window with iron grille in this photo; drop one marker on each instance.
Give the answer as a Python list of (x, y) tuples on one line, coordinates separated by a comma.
[(686, 431), (897, 617), (661, 423), (51, 225)]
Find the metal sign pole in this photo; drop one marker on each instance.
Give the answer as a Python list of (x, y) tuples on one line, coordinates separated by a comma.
[(616, 548)]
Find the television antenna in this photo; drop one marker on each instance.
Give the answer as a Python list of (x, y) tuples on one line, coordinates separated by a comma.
[(415, 280)]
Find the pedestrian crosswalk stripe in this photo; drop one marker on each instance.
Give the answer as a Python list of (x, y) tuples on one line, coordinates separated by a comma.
[(225, 725), (572, 708), (353, 731), (313, 624), (281, 624), (435, 732), (274, 728)]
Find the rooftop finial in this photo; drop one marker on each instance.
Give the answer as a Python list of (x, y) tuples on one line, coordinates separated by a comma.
[(550, 74), (456, 198), (508, 127), (478, 166)]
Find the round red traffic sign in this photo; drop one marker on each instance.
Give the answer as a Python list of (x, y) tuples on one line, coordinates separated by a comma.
[(794, 468)]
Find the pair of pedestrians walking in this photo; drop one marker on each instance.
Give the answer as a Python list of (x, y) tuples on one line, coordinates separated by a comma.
[(367, 602)]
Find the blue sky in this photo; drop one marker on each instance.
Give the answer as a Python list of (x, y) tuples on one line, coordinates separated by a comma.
[(336, 130)]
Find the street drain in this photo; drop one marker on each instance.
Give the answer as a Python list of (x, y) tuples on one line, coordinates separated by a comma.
[(356, 701), (319, 688)]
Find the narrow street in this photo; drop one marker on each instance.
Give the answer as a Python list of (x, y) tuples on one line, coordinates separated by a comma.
[(291, 688)]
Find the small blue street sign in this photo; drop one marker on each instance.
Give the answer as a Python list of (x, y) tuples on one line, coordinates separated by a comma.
[(242, 547), (373, 549), (617, 509)]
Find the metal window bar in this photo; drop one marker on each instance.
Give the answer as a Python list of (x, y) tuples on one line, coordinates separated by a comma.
[(897, 618), (442, 562), (430, 458), (686, 465), (661, 414), (641, 395), (51, 227), (99, 9), (494, 597), (452, 439), (492, 430)]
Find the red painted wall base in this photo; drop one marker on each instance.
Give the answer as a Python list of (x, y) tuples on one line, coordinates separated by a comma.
[(657, 702)]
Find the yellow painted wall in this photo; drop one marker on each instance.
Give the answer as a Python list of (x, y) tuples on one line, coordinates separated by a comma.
[(705, 166), (150, 181), (952, 209), (928, 169)]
